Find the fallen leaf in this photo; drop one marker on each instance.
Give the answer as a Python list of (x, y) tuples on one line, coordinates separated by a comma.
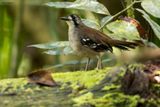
[(42, 77)]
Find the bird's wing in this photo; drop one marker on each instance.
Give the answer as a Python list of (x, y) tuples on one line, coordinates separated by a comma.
[(90, 39), (105, 42)]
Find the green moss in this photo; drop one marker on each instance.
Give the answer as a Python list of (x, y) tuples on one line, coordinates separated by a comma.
[(75, 90), (18, 93), (30, 94), (12, 85), (110, 96), (111, 87), (87, 78)]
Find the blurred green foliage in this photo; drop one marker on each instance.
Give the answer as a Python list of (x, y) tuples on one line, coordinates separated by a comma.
[(6, 31)]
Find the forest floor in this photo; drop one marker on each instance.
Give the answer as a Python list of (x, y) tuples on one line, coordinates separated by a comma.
[(95, 88)]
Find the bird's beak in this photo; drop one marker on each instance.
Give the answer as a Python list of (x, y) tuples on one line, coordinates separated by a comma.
[(64, 18)]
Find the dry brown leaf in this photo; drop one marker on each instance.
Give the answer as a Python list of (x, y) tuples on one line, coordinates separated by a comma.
[(41, 77)]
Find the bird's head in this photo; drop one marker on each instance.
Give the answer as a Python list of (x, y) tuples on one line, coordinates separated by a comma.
[(73, 20)]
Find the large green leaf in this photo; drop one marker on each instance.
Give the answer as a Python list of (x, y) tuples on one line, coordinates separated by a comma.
[(68, 50), (52, 45), (90, 5), (68, 63), (105, 20), (56, 51), (152, 7), (153, 24), (55, 48), (123, 30), (91, 23), (60, 51)]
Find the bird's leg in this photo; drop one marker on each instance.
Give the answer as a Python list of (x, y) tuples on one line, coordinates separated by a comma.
[(87, 65), (99, 63)]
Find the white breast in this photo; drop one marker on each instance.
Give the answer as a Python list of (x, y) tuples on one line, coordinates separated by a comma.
[(74, 40)]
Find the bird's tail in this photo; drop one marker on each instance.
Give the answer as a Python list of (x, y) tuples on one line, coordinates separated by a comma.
[(124, 45)]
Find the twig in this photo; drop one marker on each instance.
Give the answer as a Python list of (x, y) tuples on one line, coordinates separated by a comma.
[(119, 13)]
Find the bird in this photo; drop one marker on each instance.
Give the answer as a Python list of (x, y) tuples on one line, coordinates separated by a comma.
[(89, 42)]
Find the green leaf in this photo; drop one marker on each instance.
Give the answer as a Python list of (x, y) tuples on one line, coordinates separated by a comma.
[(105, 20), (51, 45), (90, 5), (60, 51), (55, 48), (123, 30), (54, 52), (68, 50), (68, 63), (91, 23), (152, 7), (153, 24)]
